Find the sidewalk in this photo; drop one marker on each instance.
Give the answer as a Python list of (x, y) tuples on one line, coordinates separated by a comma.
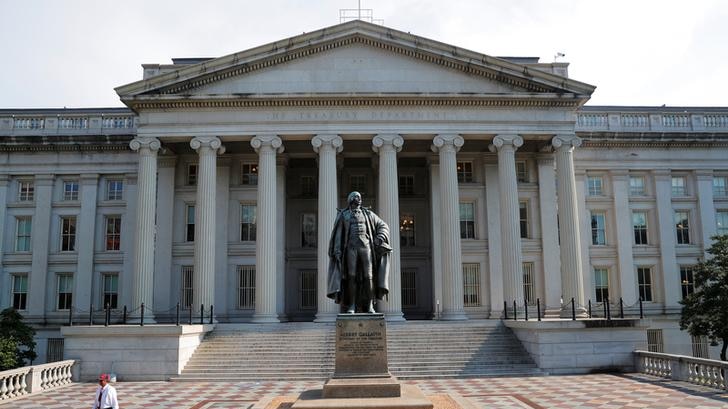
[(579, 391)]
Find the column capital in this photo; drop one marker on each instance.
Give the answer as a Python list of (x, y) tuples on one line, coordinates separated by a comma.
[(566, 141), (704, 174), (145, 142), (447, 141), (44, 180), (167, 161), (545, 159), (4, 179), (382, 140), (89, 178), (332, 140), (211, 142), (506, 140), (662, 174), (619, 174), (267, 141)]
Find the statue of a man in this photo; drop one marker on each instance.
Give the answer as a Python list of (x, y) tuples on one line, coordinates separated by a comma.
[(359, 258)]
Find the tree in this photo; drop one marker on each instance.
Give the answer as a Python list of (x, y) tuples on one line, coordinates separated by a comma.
[(705, 311), (16, 340)]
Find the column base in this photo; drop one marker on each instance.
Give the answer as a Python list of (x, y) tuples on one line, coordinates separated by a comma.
[(453, 316), (553, 312), (394, 316), (495, 314), (265, 319), (137, 319), (325, 316), (579, 312)]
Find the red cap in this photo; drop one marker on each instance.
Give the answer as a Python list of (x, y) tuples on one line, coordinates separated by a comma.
[(104, 377)]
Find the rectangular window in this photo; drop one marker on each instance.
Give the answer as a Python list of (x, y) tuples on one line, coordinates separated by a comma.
[(113, 233), (114, 190), (190, 223), (682, 227), (308, 230), (70, 190), (111, 290), (720, 186), (521, 172), (409, 287), (595, 185), (523, 216), (529, 288), (358, 183), (471, 284), (308, 186), (721, 221), (687, 284), (639, 227), (654, 340), (601, 284), (191, 174), (700, 346), (406, 185), (465, 172), (246, 287), (22, 233), (20, 291), (307, 289), (54, 350), (187, 277), (644, 283), (678, 186), (467, 221), (68, 233), (636, 185), (26, 191), (65, 291), (599, 236), (407, 230), (250, 174), (247, 222)]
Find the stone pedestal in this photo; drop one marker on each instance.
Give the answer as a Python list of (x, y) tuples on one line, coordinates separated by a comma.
[(361, 377)]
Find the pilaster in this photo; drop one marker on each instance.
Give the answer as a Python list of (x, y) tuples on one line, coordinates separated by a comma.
[(668, 240), (4, 179), (327, 146), (495, 253), (267, 146), (549, 233), (506, 146), (85, 245), (40, 231), (281, 164), (436, 234), (387, 145), (623, 216), (707, 208), (164, 298), (447, 146)]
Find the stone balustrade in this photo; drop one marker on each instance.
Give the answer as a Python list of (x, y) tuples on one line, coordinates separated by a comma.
[(612, 119), (699, 371), (20, 123), (23, 381)]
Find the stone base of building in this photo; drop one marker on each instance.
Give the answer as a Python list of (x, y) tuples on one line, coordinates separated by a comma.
[(411, 398)]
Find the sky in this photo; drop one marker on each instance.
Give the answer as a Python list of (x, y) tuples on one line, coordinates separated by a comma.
[(73, 53)]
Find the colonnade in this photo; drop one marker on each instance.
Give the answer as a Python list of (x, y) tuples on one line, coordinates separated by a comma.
[(446, 233)]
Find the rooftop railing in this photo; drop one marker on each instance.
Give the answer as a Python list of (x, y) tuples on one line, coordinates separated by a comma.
[(651, 120), (20, 124)]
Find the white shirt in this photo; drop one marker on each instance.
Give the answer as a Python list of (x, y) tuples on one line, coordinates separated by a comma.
[(108, 397)]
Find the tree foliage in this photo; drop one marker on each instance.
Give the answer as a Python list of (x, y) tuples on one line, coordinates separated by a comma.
[(16, 340), (705, 311)]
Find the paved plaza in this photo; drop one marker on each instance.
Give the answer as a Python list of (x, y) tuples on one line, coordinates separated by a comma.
[(584, 391)]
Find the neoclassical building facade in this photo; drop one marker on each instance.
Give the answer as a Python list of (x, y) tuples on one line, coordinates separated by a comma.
[(219, 184)]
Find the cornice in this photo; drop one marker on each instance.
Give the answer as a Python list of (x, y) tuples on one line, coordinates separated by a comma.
[(355, 101), (655, 144)]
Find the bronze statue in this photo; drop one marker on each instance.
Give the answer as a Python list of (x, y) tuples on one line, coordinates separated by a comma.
[(359, 258)]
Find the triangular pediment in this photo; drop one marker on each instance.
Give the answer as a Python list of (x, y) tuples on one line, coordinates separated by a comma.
[(353, 59)]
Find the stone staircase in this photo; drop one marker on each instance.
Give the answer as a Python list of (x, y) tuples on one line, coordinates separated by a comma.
[(305, 351)]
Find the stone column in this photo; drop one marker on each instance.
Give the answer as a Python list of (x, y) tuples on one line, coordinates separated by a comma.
[(267, 146), (706, 207), (142, 288), (327, 146), (4, 179), (668, 241), (570, 244), (387, 145), (164, 299), (549, 234), (40, 233), (203, 278), (495, 264), (625, 232), (85, 245), (447, 145), (506, 146)]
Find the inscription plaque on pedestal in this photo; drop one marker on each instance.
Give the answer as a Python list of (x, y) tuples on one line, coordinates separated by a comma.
[(361, 346)]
